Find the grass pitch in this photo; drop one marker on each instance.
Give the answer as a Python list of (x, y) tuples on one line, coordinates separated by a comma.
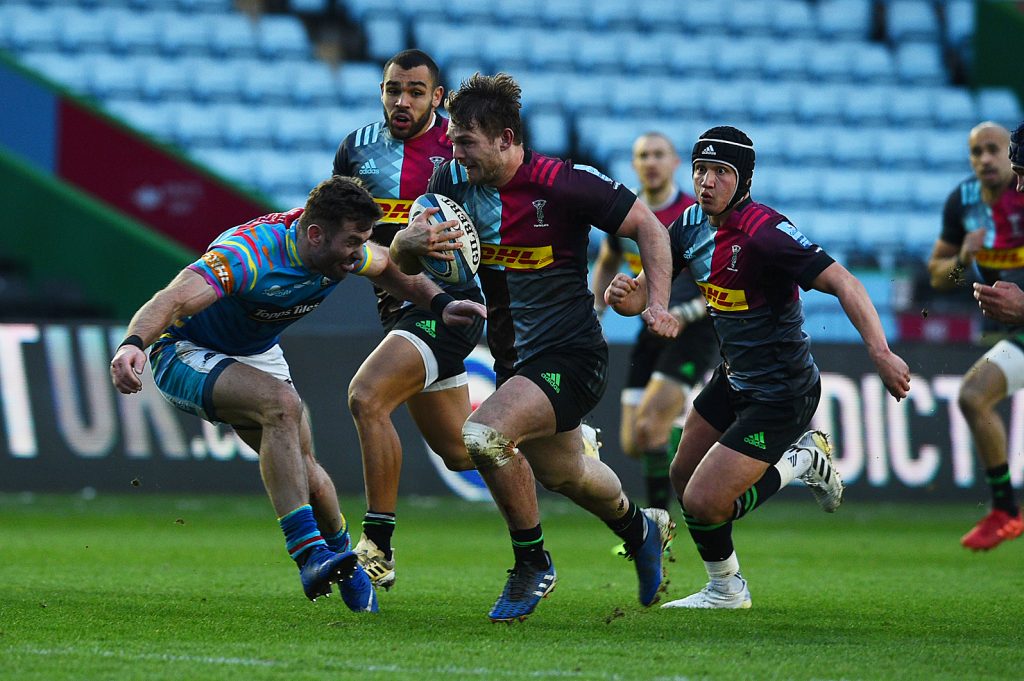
[(158, 587)]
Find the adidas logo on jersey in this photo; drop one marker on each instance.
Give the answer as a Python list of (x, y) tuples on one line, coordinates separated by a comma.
[(369, 168), (708, 151)]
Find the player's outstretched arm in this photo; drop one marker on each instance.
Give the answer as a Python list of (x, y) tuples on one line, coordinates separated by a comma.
[(1002, 301), (420, 238), (838, 281), (187, 294), (419, 290), (656, 254)]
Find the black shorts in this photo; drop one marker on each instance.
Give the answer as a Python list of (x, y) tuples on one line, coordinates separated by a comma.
[(450, 345), (574, 381), (684, 359), (761, 430)]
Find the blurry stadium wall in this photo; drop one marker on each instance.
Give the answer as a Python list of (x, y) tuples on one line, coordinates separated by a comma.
[(51, 225), (998, 24), (63, 135), (64, 428)]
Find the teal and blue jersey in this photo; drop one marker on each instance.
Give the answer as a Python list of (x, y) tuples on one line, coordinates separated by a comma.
[(262, 287), (749, 270)]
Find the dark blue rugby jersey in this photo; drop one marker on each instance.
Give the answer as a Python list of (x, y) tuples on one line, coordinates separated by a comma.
[(534, 233), (395, 172), (749, 269)]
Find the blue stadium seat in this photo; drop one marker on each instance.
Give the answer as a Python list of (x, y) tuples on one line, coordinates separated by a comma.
[(359, 82), (792, 18), (855, 147), (787, 61), (920, 64), (298, 129), (30, 29), (660, 15), (831, 61), (842, 189), (749, 17), (185, 35), (151, 119), (820, 104), (743, 58), (602, 136), (844, 19), (878, 233), (548, 133), (198, 125), (612, 14), (773, 102), (231, 35), (338, 123), (730, 103), (908, 20), (446, 42), (932, 189), (999, 104), (469, 11), (317, 165), (278, 174), (771, 142), (809, 145), (869, 106), (282, 36), (584, 92), (72, 74), (873, 63), (683, 98), (315, 84), (901, 147), (632, 95), (309, 6), (647, 54), (385, 37), (700, 17), (264, 82), (82, 31), (248, 126), (920, 230), (946, 151), (204, 6), (111, 76), (504, 50), (218, 80), (959, 21), (954, 108), (132, 33), (601, 52), (544, 88), (518, 12), (167, 79), (911, 106), (563, 13), (359, 10), (790, 191)]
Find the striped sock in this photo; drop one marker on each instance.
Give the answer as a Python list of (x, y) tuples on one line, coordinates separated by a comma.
[(998, 478), (300, 533), (340, 541), (714, 542), (528, 546), (378, 528), (758, 494)]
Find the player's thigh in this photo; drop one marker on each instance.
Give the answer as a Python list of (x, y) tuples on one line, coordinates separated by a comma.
[(996, 374), (390, 375), (557, 457), (663, 400), (627, 424), (443, 349), (246, 396), (440, 415), (699, 436), (518, 409), (720, 478)]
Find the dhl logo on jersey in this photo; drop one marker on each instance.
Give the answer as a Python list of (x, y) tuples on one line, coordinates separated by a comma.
[(396, 211), (517, 257), (726, 299), (1000, 258), (634, 264), (218, 264)]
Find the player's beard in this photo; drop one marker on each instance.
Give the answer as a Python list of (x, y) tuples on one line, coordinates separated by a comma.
[(417, 126)]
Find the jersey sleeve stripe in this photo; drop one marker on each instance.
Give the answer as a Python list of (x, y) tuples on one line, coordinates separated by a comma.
[(367, 260), (252, 245), (210, 279), (549, 174), (240, 252)]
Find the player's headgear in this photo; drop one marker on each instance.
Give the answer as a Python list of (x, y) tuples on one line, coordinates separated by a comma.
[(1017, 146), (729, 146)]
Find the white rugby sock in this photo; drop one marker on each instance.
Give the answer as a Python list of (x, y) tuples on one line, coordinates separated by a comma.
[(722, 571), (794, 462)]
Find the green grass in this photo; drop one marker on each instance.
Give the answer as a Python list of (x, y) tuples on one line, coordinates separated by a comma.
[(153, 587)]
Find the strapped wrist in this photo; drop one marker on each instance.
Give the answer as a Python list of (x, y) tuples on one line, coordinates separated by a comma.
[(439, 302), (133, 339)]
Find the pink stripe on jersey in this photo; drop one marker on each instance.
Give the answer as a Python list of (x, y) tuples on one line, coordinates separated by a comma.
[(238, 253), (253, 246)]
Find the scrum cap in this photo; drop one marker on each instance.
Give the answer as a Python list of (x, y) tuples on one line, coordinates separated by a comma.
[(729, 146)]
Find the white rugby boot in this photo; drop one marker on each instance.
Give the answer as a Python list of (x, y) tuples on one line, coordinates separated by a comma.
[(821, 478), (371, 558), (591, 441), (729, 593)]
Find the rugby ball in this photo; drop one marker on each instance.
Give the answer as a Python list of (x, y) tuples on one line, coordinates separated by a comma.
[(467, 256)]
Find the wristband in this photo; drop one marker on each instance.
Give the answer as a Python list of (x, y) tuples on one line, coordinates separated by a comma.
[(439, 302), (132, 340)]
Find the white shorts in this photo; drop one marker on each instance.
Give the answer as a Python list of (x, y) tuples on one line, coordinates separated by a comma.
[(430, 369), (1010, 360)]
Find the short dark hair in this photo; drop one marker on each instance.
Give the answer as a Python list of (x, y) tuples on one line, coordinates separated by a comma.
[(338, 200), (490, 103), (410, 59)]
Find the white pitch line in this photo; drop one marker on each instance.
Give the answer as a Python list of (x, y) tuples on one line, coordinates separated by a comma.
[(162, 657)]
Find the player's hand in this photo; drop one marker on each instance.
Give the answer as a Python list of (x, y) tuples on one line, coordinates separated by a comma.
[(1001, 301), (894, 372), (660, 321), (619, 289), (973, 242), (126, 369), (463, 312), (421, 238)]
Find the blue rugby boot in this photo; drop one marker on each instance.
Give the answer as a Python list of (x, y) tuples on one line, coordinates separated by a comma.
[(658, 534), (358, 593), (523, 591), (323, 568)]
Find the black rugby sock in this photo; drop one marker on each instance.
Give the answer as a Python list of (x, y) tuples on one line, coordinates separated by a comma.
[(659, 487), (528, 547), (758, 494), (378, 528), (1003, 498), (713, 541), (630, 527)]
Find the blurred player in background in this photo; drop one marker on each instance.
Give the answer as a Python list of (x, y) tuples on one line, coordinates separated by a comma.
[(736, 449), (661, 371), (1004, 301), (983, 226), (420, 360), (533, 214), (215, 330)]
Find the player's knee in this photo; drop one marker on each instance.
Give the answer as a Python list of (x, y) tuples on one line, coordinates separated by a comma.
[(972, 401), (282, 408), (487, 447), (457, 460), (364, 400), (705, 507)]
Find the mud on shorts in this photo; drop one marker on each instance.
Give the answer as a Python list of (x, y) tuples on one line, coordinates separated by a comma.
[(761, 430), (574, 381), (683, 360), (185, 373), (443, 348)]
